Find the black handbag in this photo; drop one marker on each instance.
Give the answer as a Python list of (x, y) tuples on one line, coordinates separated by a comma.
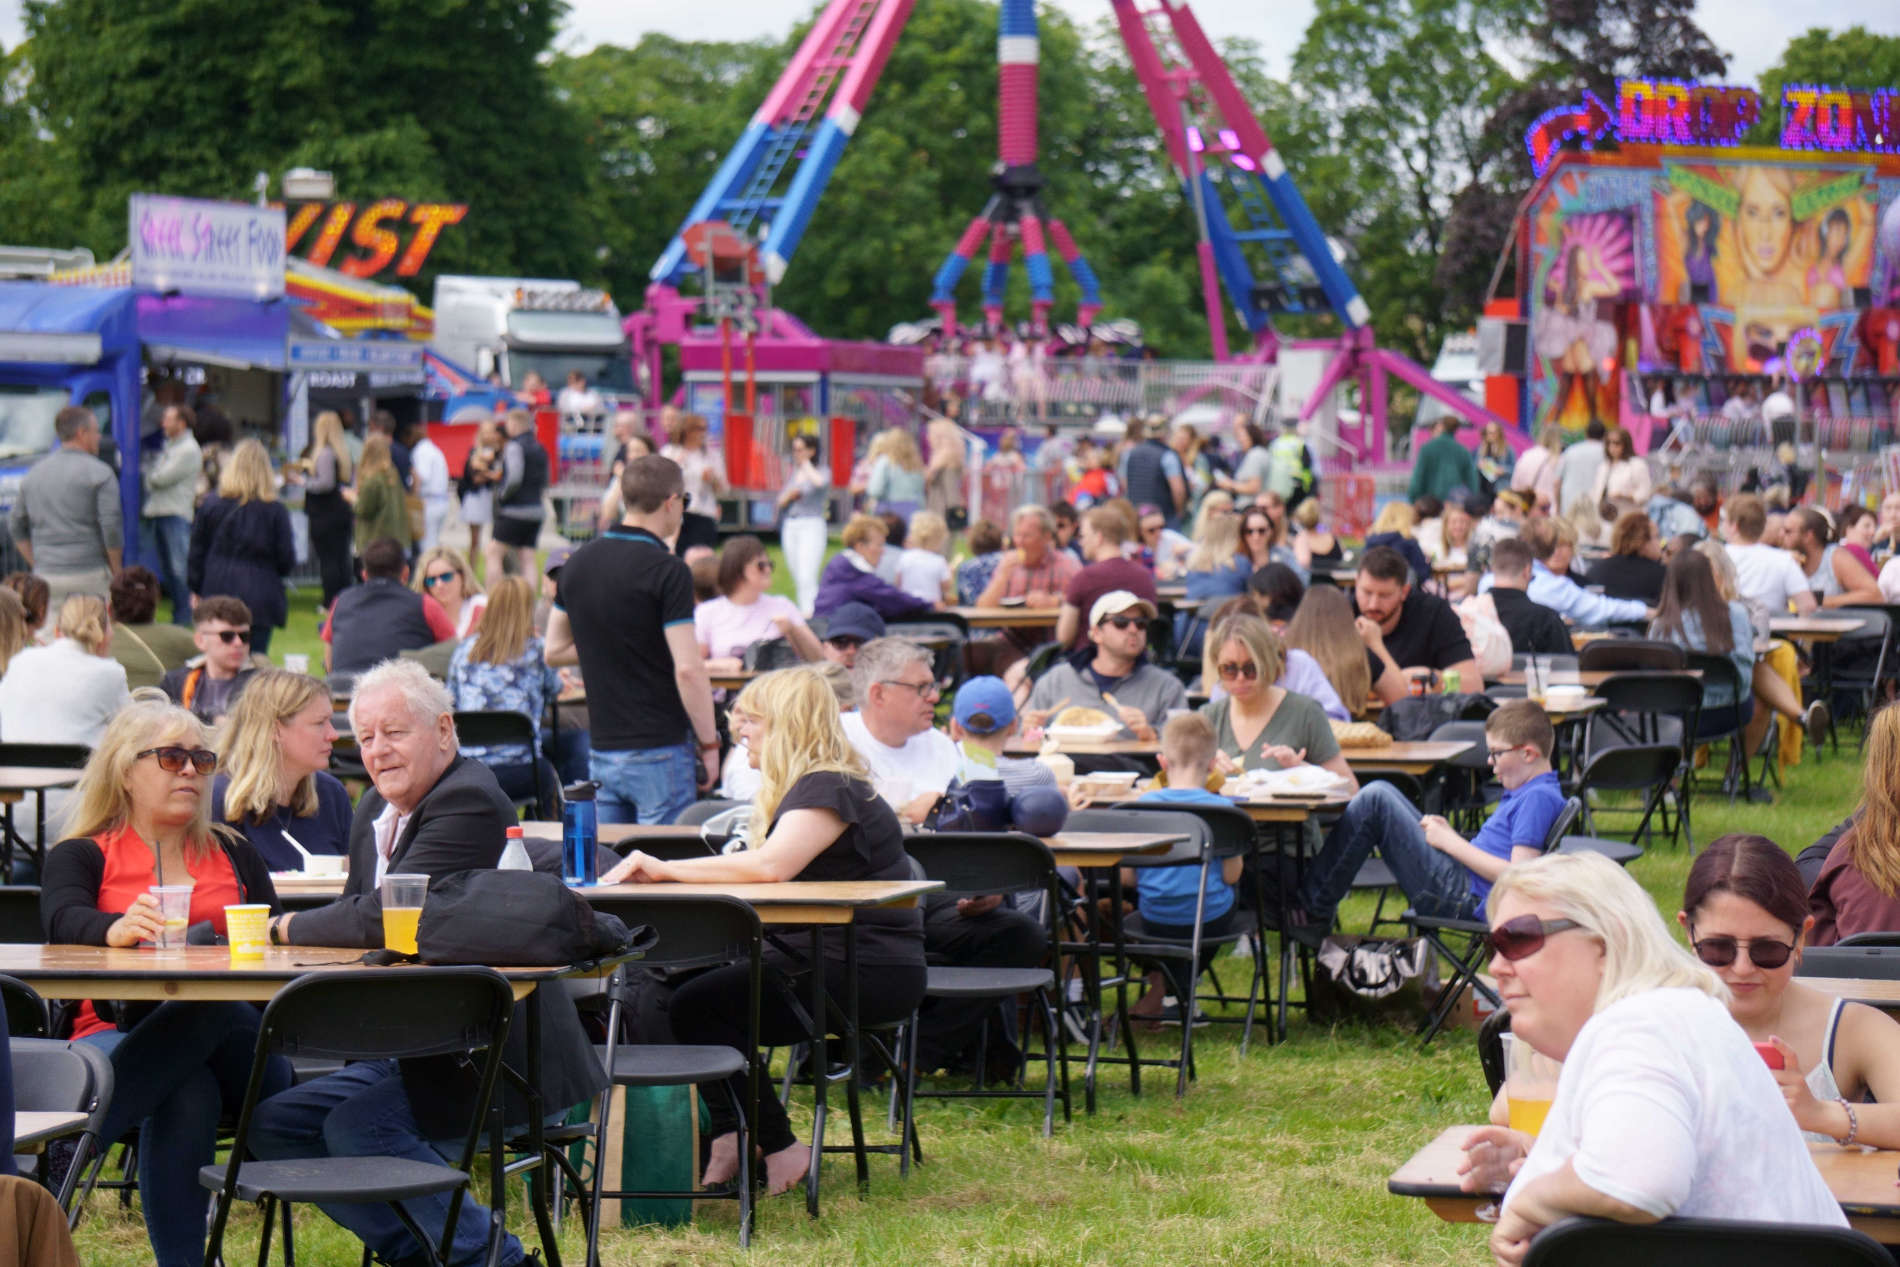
[(518, 919)]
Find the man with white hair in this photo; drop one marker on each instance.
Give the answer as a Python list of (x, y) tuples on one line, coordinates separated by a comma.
[(430, 812), (897, 693)]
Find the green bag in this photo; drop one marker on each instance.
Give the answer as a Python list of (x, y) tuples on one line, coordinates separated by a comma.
[(654, 1144)]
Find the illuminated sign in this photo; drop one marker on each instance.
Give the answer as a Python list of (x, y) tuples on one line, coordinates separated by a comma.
[(376, 231), (1672, 112), (194, 247), (1820, 118)]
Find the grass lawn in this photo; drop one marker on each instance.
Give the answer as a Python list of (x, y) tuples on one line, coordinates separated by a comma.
[(1280, 1157)]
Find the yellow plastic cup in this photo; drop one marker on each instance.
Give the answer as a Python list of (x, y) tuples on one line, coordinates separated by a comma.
[(248, 929)]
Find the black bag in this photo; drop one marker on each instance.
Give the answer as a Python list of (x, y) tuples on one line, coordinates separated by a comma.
[(1415, 717), (519, 918), (1373, 978)]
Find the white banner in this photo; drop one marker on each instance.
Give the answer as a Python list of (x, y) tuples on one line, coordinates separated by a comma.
[(196, 247)]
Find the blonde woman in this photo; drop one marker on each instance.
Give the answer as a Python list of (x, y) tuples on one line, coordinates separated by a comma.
[(896, 482), (67, 691), (1259, 725), (922, 569), (503, 665), (1664, 1109), (822, 820), (242, 545), (444, 575), (705, 473), (328, 470), (14, 635), (276, 782), (944, 475), (377, 498), (140, 819), (1396, 526)]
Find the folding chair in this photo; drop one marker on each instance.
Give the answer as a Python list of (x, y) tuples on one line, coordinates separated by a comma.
[(50, 1076), (495, 727), (420, 1011), (1702, 1243), (20, 914), (1652, 708), (699, 811), (1877, 622), (1725, 722), (1631, 653), (946, 634), (1374, 873), (26, 1012), (973, 864), (700, 932), (1645, 768), (1472, 951), (1465, 783), (1877, 963)]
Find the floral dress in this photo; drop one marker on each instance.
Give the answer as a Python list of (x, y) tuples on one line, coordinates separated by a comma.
[(523, 685)]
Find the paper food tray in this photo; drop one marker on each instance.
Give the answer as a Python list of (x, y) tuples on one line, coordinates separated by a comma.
[(1085, 734), (1301, 780)]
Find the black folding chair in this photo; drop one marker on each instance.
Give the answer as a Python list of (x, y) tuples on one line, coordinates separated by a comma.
[(700, 932), (1870, 939), (20, 915), (1463, 943), (419, 1011), (1644, 768), (975, 864), (1725, 722), (1860, 680), (50, 1076), (494, 727), (1702, 1243), (27, 1015), (1652, 708), (699, 811), (1631, 653), (1875, 963)]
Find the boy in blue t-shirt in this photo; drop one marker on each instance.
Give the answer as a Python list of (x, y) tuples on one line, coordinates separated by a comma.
[(1166, 895), (1442, 873)]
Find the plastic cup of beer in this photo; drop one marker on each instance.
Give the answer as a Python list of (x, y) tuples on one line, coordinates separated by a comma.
[(1530, 1084), (247, 928), (402, 910), (174, 911)]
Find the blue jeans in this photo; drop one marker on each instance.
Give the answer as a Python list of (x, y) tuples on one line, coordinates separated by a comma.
[(1380, 817), (174, 1075), (645, 785), (167, 539), (364, 1112)]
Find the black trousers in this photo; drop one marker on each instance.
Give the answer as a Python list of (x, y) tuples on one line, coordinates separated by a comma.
[(710, 1009), (332, 528), (1002, 938)]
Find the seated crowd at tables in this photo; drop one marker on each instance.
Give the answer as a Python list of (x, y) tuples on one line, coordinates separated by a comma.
[(218, 770)]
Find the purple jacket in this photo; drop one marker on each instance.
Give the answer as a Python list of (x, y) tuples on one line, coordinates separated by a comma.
[(844, 582)]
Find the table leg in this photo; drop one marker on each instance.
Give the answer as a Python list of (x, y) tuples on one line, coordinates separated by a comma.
[(820, 1073), (538, 1194), (852, 1055)]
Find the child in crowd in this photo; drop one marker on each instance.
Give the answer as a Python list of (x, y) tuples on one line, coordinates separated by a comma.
[(922, 570), (1166, 895)]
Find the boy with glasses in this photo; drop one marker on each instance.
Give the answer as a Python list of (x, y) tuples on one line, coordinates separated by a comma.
[(1440, 872), (221, 628)]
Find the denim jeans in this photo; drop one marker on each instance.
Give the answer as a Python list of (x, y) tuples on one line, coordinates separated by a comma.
[(645, 785), (364, 1112), (174, 1074), (1380, 817), (167, 539)]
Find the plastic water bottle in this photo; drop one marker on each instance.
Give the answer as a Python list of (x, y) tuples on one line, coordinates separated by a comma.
[(580, 833), (514, 854)]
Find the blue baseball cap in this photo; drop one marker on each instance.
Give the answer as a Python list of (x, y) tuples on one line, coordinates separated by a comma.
[(984, 706), (854, 620)]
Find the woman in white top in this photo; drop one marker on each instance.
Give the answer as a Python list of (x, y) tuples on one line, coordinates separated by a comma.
[(1745, 908), (744, 613), (1663, 1108), (801, 527), (705, 474), (444, 575), (66, 692), (1536, 471), (1623, 480), (922, 570)]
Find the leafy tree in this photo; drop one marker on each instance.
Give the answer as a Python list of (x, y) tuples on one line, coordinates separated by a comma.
[(1854, 58)]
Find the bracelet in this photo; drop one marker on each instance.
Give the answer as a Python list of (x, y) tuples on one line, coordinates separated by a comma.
[(276, 938), (709, 746), (1853, 1124)]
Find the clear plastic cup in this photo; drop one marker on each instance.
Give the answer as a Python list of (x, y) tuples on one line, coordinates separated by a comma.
[(247, 928), (1530, 1084), (403, 896), (174, 910)]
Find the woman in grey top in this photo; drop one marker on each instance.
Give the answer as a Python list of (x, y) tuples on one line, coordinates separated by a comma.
[(802, 527)]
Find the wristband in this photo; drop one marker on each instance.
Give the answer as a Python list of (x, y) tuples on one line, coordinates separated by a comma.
[(710, 745), (1853, 1124)]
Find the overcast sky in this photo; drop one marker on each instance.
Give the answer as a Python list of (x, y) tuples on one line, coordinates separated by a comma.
[(1753, 32)]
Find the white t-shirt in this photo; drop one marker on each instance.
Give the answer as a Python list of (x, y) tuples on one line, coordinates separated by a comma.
[(1767, 576), (1664, 1105), (1889, 580), (724, 628), (921, 573), (926, 763), (431, 470)]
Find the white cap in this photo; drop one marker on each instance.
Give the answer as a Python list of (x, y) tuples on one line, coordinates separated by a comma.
[(1115, 602)]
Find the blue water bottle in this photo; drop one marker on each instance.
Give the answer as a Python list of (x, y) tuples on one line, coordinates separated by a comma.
[(580, 833)]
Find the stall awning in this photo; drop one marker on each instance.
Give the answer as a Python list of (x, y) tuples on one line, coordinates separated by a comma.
[(234, 333), (41, 324)]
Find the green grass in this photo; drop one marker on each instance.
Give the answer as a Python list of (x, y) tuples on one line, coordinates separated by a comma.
[(1279, 1157)]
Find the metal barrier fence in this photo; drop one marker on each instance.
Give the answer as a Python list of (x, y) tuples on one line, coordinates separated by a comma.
[(993, 390)]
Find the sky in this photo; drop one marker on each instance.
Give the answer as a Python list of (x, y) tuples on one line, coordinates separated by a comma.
[(1753, 32)]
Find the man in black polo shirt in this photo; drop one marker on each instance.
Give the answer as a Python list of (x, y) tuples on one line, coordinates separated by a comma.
[(1534, 628), (1407, 631), (623, 609)]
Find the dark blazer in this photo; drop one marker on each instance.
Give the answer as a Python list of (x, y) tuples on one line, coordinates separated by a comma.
[(244, 550), (459, 825), (1534, 628)]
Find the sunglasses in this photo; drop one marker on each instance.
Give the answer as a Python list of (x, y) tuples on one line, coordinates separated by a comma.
[(1720, 951), (1524, 936), (1122, 622), (440, 578), (1249, 670), (765, 564), (173, 760), (229, 636)]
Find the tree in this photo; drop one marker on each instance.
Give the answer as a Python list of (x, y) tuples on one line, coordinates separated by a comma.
[(1854, 58)]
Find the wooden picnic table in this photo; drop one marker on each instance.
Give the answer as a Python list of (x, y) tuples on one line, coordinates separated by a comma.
[(1417, 757), (15, 782), (1018, 617), (32, 1128), (1813, 628), (1861, 1181), (1590, 679)]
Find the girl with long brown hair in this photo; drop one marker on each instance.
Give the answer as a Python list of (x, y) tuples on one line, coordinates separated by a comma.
[(1322, 627)]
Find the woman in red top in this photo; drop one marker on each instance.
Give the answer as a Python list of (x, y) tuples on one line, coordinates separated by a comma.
[(140, 817)]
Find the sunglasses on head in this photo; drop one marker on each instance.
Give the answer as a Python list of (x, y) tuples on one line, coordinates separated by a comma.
[(229, 636), (1524, 936), (172, 759), (1249, 670), (1122, 622), (1720, 951)]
